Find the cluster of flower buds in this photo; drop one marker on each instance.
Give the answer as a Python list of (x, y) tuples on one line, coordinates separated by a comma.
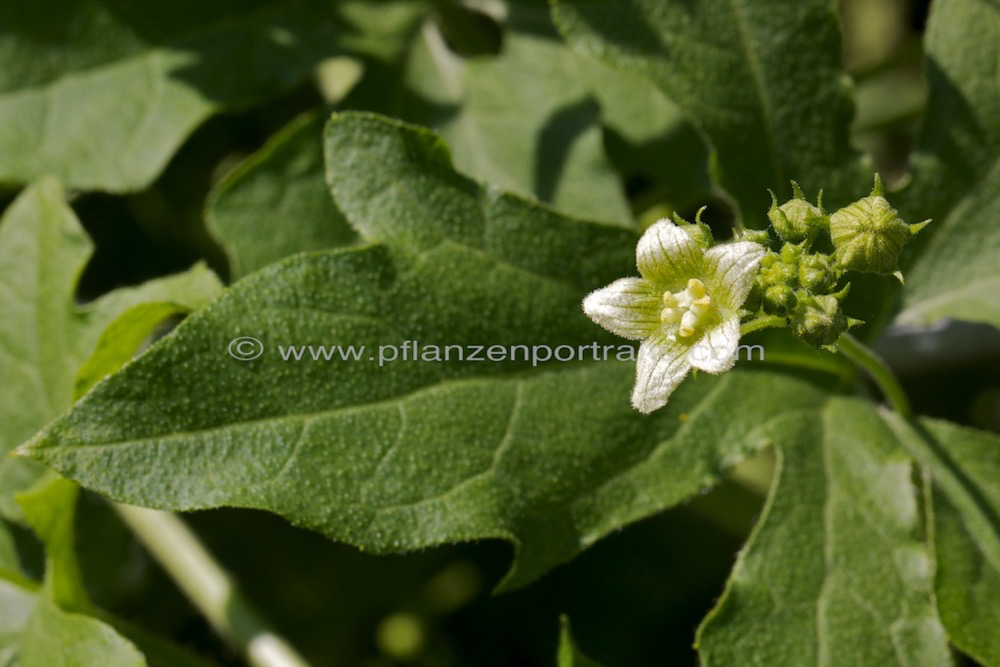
[(694, 298), (801, 285)]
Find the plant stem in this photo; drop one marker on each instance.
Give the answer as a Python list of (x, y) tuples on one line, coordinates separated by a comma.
[(208, 586), (864, 357), (765, 322)]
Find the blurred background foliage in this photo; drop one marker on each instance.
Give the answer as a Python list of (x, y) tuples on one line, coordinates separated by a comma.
[(636, 597)]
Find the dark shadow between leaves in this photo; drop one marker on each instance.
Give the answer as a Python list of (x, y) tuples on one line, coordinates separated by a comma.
[(555, 141)]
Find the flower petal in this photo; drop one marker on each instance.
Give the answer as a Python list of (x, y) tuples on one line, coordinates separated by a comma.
[(661, 365), (729, 271), (628, 307), (667, 255), (716, 351)]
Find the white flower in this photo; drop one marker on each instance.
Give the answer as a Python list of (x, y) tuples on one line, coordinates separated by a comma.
[(684, 308)]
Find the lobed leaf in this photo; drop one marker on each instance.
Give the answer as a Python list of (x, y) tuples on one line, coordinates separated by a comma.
[(837, 571), (397, 456)]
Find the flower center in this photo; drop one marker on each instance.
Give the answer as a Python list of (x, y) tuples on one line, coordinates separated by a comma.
[(688, 310)]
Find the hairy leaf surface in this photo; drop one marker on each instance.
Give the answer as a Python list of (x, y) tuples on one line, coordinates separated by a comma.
[(400, 455), (837, 571)]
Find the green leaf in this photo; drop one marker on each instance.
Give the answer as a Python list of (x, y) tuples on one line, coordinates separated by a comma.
[(45, 336), (956, 171), (965, 466), (402, 455), (276, 203), (50, 507), (762, 80), (120, 341), (396, 184), (25, 607), (57, 637), (47, 628), (569, 655), (938, 447), (837, 571), (968, 586), (102, 93), (525, 120), (381, 30), (17, 604), (20, 603)]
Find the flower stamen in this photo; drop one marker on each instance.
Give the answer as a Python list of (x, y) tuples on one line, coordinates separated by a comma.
[(695, 288), (688, 309)]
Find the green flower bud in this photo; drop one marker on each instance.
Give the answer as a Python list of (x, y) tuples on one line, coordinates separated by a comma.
[(816, 274), (774, 271), (779, 300), (760, 236), (868, 235), (698, 231), (819, 320), (796, 220), (790, 254)]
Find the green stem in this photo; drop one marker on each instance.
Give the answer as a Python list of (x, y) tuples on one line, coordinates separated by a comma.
[(765, 322), (208, 587), (864, 357)]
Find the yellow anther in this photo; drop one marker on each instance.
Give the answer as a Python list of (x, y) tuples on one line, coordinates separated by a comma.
[(702, 305), (696, 288), (687, 309)]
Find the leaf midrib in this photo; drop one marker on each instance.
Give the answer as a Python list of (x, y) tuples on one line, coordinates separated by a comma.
[(764, 103), (38, 443)]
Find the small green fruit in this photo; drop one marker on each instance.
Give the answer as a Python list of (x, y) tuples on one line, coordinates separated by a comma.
[(868, 235), (779, 300), (819, 320)]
